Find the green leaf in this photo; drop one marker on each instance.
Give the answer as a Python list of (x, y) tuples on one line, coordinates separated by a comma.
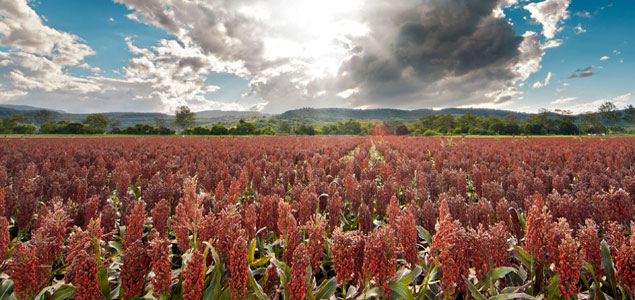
[(494, 275), (214, 290), (252, 250), (6, 289), (326, 290), (260, 294), (424, 234), (116, 245), (475, 293), (609, 270), (399, 290), (374, 292), (512, 296), (64, 292), (523, 256), (104, 286), (260, 262), (407, 280)]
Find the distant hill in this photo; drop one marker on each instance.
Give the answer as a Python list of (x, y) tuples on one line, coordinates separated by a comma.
[(227, 113), (383, 114), (132, 118)]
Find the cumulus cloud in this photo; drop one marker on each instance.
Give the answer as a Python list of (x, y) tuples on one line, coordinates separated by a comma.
[(579, 29), (564, 100), (156, 79), (619, 101), (581, 73), (583, 14), (356, 53), (604, 58), (550, 14), (539, 84), (402, 53)]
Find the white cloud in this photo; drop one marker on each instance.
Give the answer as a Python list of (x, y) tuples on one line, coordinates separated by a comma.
[(551, 44), (550, 14), (619, 101), (617, 52), (564, 100), (539, 84), (111, 19), (604, 58), (579, 29), (583, 14), (293, 53), (21, 28)]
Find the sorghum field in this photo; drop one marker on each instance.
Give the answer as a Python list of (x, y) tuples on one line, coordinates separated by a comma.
[(317, 218)]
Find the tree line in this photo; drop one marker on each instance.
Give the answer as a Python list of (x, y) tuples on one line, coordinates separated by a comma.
[(608, 119)]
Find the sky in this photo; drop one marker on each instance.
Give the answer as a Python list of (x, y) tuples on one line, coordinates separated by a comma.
[(276, 55)]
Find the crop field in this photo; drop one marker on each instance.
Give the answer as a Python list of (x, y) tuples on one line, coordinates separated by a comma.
[(317, 218)]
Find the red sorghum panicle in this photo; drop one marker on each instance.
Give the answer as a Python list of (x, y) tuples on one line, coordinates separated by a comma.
[(625, 262), (497, 245), (83, 273), (429, 216), (348, 254), (4, 238), (316, 229), (335, 210), (451, 244), (297, 280), (227, 229), (237, 268), (268, 213), (380, 257), (51, 233), (567, 262), (88, 211), (193, 277), (160, 262), (206, 230), (181, 227), (406, 230), (134, 269), (249, 220), (272, 278), (393, 210), (134, 223), (160, 215), (25, 270), (477, 240), (590, 246), (108, 217), (614, 236), (219, 193), (365, 218), (539, 237), (306, 206)]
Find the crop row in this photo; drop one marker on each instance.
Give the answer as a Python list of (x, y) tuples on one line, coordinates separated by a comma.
[(317, 218)]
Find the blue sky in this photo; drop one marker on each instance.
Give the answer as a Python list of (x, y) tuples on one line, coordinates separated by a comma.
[(135, 55)]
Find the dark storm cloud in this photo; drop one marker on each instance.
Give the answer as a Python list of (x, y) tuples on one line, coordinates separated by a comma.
[(581, 73), (426, 42)]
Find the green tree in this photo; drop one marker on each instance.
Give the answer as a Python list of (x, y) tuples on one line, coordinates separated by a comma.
[(11, 122), (444, 123), (97, 122), (629, 114), (305, 129), (608, 113), (41, 117), (185, 118), (284, 128), (591, 123), (219, 130)]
